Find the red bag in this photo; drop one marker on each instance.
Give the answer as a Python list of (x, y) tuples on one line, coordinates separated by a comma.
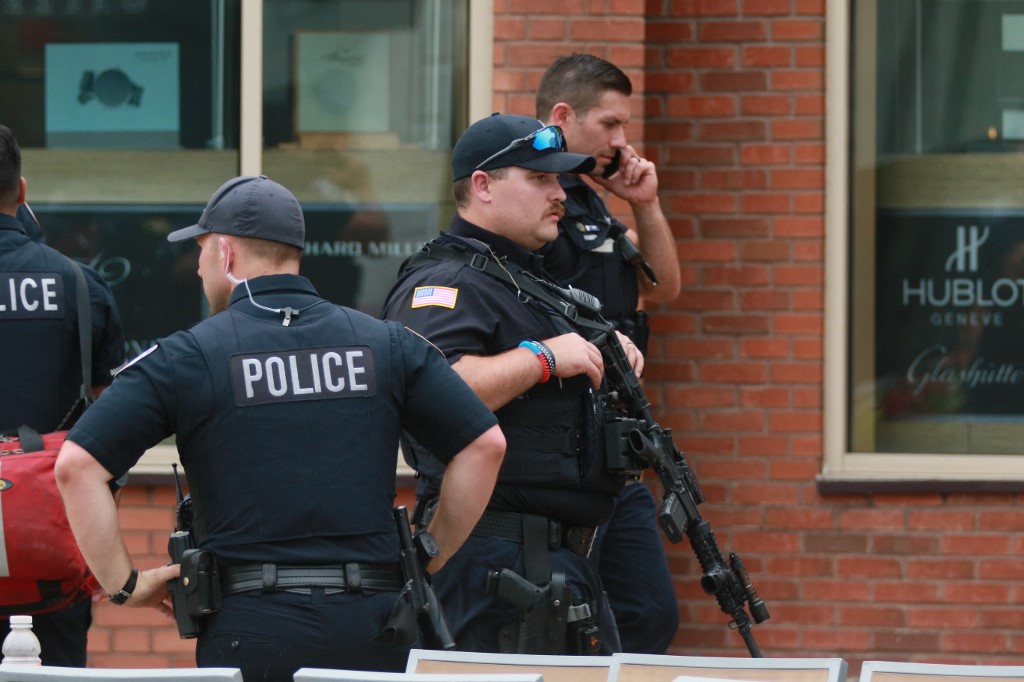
[(41, 567)]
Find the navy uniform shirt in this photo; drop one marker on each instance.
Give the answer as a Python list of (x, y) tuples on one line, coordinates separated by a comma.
[(40, 355), (584, 253), (288, 434), (463, 311)]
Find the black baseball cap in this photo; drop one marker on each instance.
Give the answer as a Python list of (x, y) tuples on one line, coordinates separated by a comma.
[(250, 206), (488, 144)]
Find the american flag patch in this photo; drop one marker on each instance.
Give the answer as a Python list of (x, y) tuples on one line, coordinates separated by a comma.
[(441, 296)]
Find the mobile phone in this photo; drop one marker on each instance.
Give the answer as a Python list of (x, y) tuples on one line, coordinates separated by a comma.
[(613, 165)]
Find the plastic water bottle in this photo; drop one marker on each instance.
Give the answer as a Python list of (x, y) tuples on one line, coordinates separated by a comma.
[(21, 645)]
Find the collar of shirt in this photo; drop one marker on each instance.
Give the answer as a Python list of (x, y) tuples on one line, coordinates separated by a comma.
[(9, 222), (500, 246), (274, 289)]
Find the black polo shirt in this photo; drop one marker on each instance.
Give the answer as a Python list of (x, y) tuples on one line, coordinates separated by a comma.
[(289, 434)]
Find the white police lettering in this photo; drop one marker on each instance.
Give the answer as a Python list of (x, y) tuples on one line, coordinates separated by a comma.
[(305, 374), (31, 295)]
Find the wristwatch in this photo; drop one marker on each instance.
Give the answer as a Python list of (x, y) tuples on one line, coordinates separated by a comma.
[(121, 596)]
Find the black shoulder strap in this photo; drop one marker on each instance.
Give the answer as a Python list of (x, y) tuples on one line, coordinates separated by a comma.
[(581, 309), (84, 328)]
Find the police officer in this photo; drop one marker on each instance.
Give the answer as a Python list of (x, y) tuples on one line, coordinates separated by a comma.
[(41, 359), (522, 581), (588, 98), (287, 411)]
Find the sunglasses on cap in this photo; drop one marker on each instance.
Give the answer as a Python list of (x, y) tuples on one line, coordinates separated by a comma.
[(549, 137)]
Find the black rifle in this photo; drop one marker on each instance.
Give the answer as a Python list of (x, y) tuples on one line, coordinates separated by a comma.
[(653, 446), (429, 616), (631, 428)]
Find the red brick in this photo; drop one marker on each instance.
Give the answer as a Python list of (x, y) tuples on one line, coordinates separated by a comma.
[(735, 324), (795, 470), (598, 29), (794, 421), (668, 32), (744, 275), (672, 82), (765, 445), (799, 275), (700, 348), (702, 396), (764, 299), (766, 7), (810, 55), (765, 348), (764, 251), (797, 179), (732, 130), (815, 7), (707, 300), (976, 642), (798, 29), (798, 324), (701, 154), (702, 57), (732, 31), (943, 569), (976, 593), (731, 373), (704, 203), (868, 567), (766, 105), (733, 179), (765, 154), (768, 493), (809, 202), (801, 226), (704, 8), (975, 544), (765, 203), (766, 56), (903, 591), (701, 106), (808, 105), (544, 29), (797, 80), (733, 421), (872, 616), (511, 28), (734, 81), (567, 8)]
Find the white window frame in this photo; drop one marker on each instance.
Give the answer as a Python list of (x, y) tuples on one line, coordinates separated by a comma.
[(843, 470)]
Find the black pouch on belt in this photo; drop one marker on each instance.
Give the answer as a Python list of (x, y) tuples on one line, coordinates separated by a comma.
[(200, 581)]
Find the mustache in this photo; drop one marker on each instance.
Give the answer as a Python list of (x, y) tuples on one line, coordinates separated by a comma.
[(558, 208)]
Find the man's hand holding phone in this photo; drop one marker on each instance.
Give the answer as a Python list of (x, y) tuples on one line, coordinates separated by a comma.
[(630, 177)]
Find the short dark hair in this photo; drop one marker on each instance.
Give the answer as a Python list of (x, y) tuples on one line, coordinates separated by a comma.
[(579, 80), (10, 167), (461, 187)]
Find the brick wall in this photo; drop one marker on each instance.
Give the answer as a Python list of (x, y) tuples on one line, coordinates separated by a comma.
[(731, 107)]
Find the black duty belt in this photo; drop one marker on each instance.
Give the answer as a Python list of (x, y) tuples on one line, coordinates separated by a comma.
[(337, 578), (509, 525)]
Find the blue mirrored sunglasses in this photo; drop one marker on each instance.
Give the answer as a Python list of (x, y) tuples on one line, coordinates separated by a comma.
[(549, 137)]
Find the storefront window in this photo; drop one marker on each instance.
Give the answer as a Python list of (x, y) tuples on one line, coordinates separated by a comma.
[(935, 240), (361, 107), (127, 113)]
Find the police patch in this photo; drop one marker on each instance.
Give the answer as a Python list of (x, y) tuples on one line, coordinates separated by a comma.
[(439, 296), (305, 374), (31, 296)]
